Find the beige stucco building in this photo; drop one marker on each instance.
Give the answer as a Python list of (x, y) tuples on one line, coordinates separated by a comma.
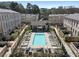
[(29, 17), (56, 18), (72, 23), (8, 21)]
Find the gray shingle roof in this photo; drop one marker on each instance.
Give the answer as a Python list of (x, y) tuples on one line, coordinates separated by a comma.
[(73, 16), (7, 10)]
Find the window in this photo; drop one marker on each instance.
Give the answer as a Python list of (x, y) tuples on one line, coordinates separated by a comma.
[(76, 24), (75, 32), (5, 17), (78, 33), (2, 18)]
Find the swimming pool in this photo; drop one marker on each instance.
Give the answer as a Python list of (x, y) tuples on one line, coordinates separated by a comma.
[(39, 39)]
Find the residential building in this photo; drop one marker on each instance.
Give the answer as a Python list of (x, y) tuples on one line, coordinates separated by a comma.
[(9, 20), (72, 23), (56, 18), (29, 17)]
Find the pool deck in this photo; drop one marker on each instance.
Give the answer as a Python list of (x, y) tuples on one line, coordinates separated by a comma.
[(48, 44)]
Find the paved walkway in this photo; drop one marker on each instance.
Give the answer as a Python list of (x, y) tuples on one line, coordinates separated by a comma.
[(67, 48), (8, 53)]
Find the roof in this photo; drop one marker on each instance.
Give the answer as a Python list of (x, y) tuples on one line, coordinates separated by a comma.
[(36, 23), (7, 10), (73, 16), (58, 14)]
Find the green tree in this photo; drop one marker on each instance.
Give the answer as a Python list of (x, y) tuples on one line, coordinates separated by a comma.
[(29, 8), (44, 13), (13, 5), (35, 9), (20, 8), (32, 9), (17, 7)]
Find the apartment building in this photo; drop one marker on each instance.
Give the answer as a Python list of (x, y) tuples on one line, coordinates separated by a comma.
[(72, 23), (9, 20), (57, 18), (29, 17)]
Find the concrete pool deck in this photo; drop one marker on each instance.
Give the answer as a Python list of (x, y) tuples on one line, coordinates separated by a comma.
[(48, 44)]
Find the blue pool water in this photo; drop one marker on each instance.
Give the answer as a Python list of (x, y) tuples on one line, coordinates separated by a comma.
[(39, 39)]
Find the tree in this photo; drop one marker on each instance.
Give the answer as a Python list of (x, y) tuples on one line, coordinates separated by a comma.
[(18, 53), (65, 10), (1, 6), (32, 9), (4, 5), (17, 7), (29, 8), (44, 13), (13, 5), (35, 9), (20, 8)]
